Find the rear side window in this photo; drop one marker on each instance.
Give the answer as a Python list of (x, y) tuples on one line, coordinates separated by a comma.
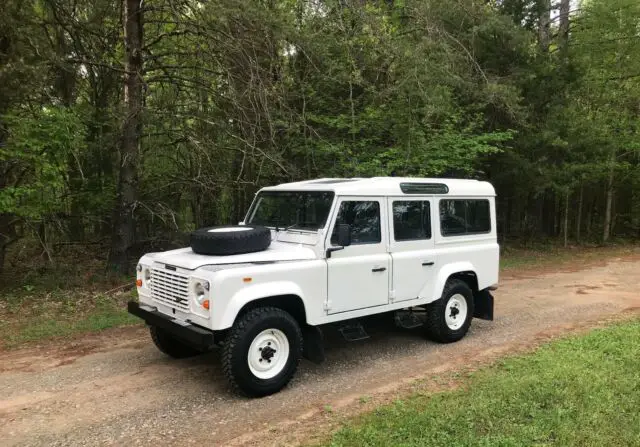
[(460, 217), (364, 219), (411, 220)]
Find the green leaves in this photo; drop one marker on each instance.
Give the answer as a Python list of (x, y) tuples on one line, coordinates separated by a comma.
[(238, 95), (37, 152)]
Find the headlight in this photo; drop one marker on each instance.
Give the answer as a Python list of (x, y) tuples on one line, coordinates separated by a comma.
[(201, 288)]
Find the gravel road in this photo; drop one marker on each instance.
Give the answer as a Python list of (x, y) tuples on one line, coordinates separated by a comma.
[(115, 388)]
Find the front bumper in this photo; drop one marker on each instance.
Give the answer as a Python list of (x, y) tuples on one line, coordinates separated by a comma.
[(195, 336)]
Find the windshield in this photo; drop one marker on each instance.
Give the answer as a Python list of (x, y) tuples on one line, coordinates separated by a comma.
[(304, 210)]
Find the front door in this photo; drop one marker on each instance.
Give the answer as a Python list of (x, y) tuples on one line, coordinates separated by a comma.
[(358, 275)]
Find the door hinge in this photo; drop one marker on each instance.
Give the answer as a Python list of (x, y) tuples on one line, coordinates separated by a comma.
[(392, 295), (327, 305)]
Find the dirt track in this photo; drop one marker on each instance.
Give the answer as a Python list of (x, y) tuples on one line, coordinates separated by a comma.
[(117, 389)]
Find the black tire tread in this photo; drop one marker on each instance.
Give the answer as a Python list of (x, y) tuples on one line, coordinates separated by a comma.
[(230, 243), (238, 331), (435, 326), (170, 345)]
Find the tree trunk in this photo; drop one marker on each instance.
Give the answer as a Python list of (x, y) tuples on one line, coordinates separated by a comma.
[(590, 217), (566, 218), (609, 200), (556, 215), (8, 234), (579, 214), (614, 215), (635, 211), (563, 30), (3, 251), (123, 222), (544, 23)]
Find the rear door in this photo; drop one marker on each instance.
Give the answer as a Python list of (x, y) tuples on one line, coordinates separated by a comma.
[(411, 245), (358, 275)]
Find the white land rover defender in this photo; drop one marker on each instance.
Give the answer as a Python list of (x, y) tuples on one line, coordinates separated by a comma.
[(321, 252)]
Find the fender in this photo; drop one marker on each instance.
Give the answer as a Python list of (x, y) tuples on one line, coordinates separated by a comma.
[(432, 292), (256, 292)]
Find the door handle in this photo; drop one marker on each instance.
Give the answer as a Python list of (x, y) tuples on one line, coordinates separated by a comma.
[(429, 263), (379, 269)]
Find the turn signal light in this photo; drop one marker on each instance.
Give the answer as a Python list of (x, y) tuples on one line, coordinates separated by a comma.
[(138, 282), (247, 279), (205, 304)]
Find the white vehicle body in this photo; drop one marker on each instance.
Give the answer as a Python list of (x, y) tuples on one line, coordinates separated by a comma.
[(355, 281)]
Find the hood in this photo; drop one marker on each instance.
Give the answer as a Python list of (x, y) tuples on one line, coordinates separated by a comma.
[(277, 251)]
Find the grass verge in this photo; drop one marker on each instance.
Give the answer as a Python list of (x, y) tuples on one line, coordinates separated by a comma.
[(27, 318), (580, 391), (554, 256)]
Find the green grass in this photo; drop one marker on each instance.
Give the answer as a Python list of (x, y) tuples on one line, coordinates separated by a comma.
[(581, 391), (554, 255), (95, 320), (33, 315)]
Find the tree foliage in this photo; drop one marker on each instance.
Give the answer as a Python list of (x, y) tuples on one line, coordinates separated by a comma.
[(540, 100)]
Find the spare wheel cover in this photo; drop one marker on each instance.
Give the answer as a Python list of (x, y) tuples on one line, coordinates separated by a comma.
[(230, 240)]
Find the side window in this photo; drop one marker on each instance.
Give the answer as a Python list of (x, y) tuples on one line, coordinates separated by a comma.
[(459, 217), (478, 216), (411, 220), (364, 218), (452, 217)]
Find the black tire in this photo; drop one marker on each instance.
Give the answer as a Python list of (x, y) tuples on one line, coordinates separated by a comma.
[(220, 242), (436, 324), (170, 345), (235, 352)]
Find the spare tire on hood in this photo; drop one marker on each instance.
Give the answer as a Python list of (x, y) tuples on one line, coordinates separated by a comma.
[(230, 240)]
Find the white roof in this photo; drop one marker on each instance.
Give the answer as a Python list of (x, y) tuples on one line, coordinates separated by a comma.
[(386, 186)]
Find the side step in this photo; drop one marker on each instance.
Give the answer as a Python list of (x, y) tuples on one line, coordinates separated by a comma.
[(353, 332), (407, 319)]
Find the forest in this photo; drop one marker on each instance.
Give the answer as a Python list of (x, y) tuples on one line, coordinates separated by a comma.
[(126, 124)]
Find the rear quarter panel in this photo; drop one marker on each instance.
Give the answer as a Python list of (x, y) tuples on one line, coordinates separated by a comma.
[(478, 253)]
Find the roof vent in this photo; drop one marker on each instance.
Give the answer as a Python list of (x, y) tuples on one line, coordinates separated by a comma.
[(424, 188), (331, 181)]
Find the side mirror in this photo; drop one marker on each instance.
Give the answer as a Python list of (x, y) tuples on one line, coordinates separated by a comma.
[(343, 239), (344, 235)]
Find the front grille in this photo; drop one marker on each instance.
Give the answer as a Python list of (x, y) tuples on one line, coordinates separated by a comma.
[(170, 288)]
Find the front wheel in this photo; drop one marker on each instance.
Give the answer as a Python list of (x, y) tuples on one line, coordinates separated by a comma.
[(170, 345), (262, 351), (449, 318)]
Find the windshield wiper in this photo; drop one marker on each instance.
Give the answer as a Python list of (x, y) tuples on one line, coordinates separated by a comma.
[(296, 224)]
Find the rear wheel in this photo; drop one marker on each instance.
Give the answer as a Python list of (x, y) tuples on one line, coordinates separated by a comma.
[(262, 351), (449, 318), (170, 345)]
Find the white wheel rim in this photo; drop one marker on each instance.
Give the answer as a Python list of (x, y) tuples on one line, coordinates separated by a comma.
[(228, 229), (268, 354), (456, 312)]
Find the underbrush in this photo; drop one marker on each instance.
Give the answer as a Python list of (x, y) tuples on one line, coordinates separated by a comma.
[(27, 316), (552, 254), (40, 299)]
